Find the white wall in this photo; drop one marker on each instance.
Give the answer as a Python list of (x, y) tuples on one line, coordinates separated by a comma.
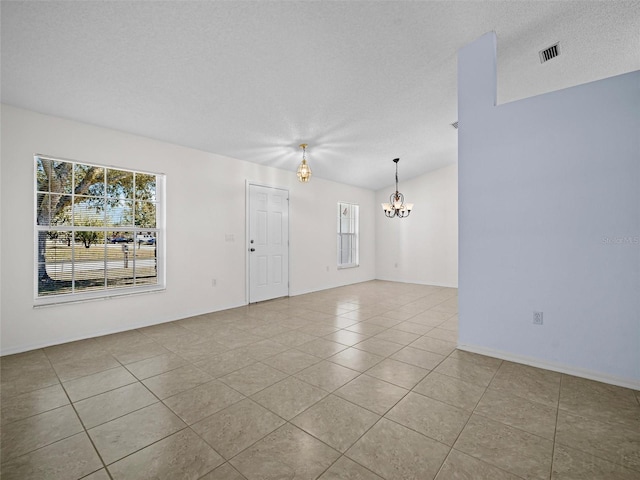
[(423, 247), (205, 194), (549, 218)]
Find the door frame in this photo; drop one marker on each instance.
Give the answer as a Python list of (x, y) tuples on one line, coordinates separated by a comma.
[(247, 261)]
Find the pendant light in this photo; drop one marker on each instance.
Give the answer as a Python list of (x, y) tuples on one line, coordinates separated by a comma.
[(396, 206), (304, 171)]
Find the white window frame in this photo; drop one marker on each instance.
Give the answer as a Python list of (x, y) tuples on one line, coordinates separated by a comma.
[(352, 227), (159, 231)]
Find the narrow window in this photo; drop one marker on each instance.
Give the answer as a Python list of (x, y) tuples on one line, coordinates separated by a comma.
[(97, 231), (348, 235)]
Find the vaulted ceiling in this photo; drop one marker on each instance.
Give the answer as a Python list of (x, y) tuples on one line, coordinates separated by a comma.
[(361, 82)]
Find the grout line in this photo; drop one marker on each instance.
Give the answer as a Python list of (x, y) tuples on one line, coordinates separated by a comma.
[(84, 428)]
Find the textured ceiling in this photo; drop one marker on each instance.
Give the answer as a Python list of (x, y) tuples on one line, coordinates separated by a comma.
[(360, 82)]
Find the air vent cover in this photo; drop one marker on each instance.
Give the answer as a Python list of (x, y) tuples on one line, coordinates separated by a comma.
[(548, 53), (455, 124)]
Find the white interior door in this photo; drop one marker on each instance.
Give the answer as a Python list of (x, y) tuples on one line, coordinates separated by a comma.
[(268, 243)]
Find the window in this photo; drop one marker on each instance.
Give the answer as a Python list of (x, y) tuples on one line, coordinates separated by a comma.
[(97, 230), (348, 229)]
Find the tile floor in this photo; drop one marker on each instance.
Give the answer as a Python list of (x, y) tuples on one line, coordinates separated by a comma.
[(359, 382)]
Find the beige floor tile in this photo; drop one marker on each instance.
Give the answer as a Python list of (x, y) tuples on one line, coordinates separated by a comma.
[(235, 428), (71, 458), (318, 329), (394, 338), (327, 375), (358, 315), (471, 372), (74, 350), (224, 472), (347, 469), (378, 346), (163, 330), (356, 359), (607, 403), (99, 475), (432, 418), (431, 318), (26, 435), (102, 408), (125, 435), (608, 441), (236, 339), (398, 336), (385, 322), (528, 382), (402, 315), (371, 393), (289, 397), (322, 348), (345, 337), (176, 381), (508, 448), (295, 322), (286, 453), (156, 365), (227, 362), (18, 379), (32, 403), (97, 383), (570, 464), (116, 341), (269, 330), (394, 452), (336, 422), (83, 366), (411, 327), (197, 352), (398, 373), (131, 354), (461, 466), (419, 358), (291, 361), (183, 340), (293, 338), (532, 417), (182, 455), (366, 328), (443, 334), (476, 358), (434, 345), (450, 390), (252, 379), (451, 324), (262, 349), (197, 403)]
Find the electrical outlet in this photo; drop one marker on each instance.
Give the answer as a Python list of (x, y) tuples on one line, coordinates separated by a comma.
[(214, 282), (327, 268), (537, 318)]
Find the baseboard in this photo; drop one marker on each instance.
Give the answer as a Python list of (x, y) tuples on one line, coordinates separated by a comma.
[(416, 282), (554, 367)]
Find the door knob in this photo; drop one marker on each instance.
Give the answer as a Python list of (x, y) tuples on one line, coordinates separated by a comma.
[(252, 249)]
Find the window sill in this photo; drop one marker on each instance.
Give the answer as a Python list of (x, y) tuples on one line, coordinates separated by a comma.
[(344, 267), (54, 301)]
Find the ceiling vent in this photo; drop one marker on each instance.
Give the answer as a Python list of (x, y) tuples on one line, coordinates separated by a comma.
[(548, 53), (455, 124)]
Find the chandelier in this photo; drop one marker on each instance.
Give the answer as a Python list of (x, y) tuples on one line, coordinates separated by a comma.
[(304, 171), (396, 206)]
